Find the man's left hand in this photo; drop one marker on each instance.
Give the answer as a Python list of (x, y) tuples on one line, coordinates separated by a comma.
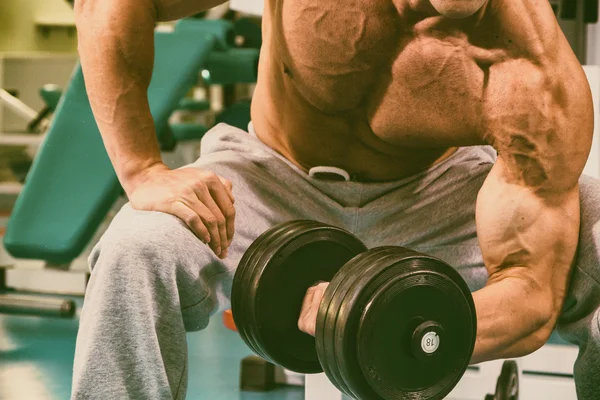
[(310, 307)]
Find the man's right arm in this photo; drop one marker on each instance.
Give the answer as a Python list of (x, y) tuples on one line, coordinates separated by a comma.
[(116, 49)]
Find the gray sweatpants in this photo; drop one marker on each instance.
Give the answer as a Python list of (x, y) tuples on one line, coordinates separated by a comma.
[(152, 279)]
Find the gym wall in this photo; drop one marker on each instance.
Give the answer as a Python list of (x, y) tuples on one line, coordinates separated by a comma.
[(22, 25)]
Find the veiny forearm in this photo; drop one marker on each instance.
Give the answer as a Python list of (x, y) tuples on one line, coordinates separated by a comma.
[(514, 318), (117, 51)]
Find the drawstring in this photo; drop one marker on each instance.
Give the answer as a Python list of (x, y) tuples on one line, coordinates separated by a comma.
[(329, 173)]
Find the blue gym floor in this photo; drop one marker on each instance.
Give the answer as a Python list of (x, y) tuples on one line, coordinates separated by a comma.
[(36, 356)]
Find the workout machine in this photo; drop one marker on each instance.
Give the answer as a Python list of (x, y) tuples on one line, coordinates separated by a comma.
[(27, 142), (49, 93), (574, 16), (72, 185)]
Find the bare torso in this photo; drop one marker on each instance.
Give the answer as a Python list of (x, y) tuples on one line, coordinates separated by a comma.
[(386, 88)]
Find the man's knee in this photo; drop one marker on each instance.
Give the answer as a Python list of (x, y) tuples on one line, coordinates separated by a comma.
[(138, 242), (155, 254)]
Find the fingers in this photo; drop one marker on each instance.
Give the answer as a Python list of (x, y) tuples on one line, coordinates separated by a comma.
[(203, 200), (210, 198), (304, 322), (223, 201), (191, 219), (310, 307), (229, 214), (221, 193), (211, 217), (215, 223), (229, 187)]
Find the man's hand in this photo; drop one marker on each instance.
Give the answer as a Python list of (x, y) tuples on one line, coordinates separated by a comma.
[(310, 306), (201, 199), (116, 49)]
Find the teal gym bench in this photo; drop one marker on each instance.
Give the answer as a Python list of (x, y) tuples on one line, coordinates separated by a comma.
[(72, 185)]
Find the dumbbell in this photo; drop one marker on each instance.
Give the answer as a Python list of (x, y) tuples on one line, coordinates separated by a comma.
[(507, 386), (393, 323)]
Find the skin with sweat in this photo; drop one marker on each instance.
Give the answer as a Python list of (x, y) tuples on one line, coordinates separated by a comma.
[(383, 89)]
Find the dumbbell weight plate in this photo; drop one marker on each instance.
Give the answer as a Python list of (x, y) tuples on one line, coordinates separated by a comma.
[(345, 351), (294, 261), (437, 298), (438, 295), (271, 282), (328, 313), (378, 314), (354, 271), (273, 243), (239, 307), (242, 309), (242, 302)]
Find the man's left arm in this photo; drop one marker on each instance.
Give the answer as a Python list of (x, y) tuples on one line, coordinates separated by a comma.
[(527, 210), (528, 241)]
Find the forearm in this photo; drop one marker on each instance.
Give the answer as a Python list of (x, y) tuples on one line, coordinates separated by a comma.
[(117, 52), (514, 318)]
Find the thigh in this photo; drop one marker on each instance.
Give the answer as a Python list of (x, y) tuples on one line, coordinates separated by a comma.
[(267, 191)]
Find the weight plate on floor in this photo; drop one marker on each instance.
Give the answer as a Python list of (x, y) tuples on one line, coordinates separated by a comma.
[(271, 284), (507, 387), (406, 328)]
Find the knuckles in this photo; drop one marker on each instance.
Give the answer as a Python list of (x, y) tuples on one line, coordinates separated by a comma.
[(230, 212), (210, 177), (220, 220), (199, 185), (191, 219), (227, 183), (211, 221)]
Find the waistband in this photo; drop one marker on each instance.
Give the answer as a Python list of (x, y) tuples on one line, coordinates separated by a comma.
[(333, 174)]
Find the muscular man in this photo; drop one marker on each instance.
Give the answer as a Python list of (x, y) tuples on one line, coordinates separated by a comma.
[(464, 126)]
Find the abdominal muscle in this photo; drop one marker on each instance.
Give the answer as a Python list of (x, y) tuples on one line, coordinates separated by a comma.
[(396, 107)]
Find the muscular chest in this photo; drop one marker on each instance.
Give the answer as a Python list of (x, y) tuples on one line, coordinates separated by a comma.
[(333, 52), (368, 56)]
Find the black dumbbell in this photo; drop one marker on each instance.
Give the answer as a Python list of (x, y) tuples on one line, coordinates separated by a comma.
[(507, 386), (393, 323)]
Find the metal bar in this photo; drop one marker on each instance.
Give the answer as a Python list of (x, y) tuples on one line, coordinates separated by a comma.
[(16, 139), (36, 306), (17, 106)]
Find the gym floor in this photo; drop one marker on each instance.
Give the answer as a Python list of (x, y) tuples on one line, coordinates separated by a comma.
[(36, 356)]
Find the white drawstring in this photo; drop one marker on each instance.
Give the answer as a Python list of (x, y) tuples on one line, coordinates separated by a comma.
[(316, 171)]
